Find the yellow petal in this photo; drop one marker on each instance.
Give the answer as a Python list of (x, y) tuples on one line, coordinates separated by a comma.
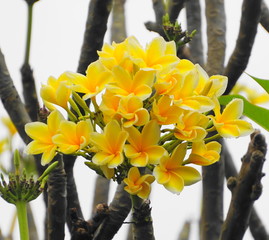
[(175, 184), (48, 155), (161, 176), (140, 161), (38, 131), (190, 175), (233, 110)]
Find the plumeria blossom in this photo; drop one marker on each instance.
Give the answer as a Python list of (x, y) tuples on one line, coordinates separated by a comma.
[(42, 135), (165, 112), (97, 76), (110, 145), (73, 136), (9, 125), (137, 184), (191, 126), (204, 154), (228, 123), (172, 174), (143, 148), (132, 111), (56, 91)]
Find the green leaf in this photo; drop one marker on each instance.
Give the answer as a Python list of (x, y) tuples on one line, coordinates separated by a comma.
[(257, 114), (262, 82)]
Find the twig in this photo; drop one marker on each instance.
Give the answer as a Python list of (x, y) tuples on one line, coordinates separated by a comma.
[(11, 100), (193, 11), (174, 8), (57, 202), (96, 27), (246, 188), (251, 10), (185, 231), (256, 226), (118, 211), (118, 27), (264, 21)]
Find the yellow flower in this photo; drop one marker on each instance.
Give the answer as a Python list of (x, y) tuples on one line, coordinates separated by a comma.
[(164, 112), (9, 125), (191, 126), (228, 123), (73, 136), (132, 111), (110, 145), (184, 93), (172, 175), (143, 148), (3, 145), (56, 91), (204, 154), (137, 184), (126, 83), (42, 135), (97, 76)]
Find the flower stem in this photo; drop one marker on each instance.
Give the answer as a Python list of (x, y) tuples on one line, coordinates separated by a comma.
[(29, 33), (22, 218)]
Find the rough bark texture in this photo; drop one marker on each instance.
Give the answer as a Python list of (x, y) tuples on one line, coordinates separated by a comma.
[(96, 27), (29, 92), (118, 211), (194, 22), (245, 188), (251, 10), (57, 202), (12, 101), (265, 16)]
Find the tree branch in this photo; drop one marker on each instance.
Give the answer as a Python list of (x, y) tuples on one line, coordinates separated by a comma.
[(246, 188), (193, 12), (256, 226), (57, 201), (96, 27), (251, 10), (264, 21), (11, 101), (118, 211), (174, 8)]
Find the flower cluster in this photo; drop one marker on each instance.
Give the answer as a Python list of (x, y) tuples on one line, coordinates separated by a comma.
[(138, 114)]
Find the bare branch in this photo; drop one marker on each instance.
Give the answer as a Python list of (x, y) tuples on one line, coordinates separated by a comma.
[(12, 101), (96, 27), (174, 8), (246, 188), (251, 10), (264, 21), (193, 10)]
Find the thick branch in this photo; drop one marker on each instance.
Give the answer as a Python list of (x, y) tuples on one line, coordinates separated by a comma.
[(57, 202), (264, 21), (251, 10), (193, 10), (256, 226), (246, 188), (216, 29), (118, 27), (96, 27), (118, 211), (11, 100), (174, 8)]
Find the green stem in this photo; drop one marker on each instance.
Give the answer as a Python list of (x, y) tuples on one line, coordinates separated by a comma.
[(22, 218), (29, 33)]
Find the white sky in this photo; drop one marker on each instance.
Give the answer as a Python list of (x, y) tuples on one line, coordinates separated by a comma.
[(57, 37)]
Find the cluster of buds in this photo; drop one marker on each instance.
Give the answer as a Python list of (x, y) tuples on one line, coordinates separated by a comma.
[(138, 108)]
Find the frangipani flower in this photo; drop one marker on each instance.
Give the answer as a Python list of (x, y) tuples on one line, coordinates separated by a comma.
[(191, 126), (132, 111), (9, 125), (137, 184), (97, 76), (172, 175), (56, 91), (42, 135), (138, 84), (184, 93), (164, 112), (228, 123), (73, 136), (204, 154), (143, 148), (110, 145)]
